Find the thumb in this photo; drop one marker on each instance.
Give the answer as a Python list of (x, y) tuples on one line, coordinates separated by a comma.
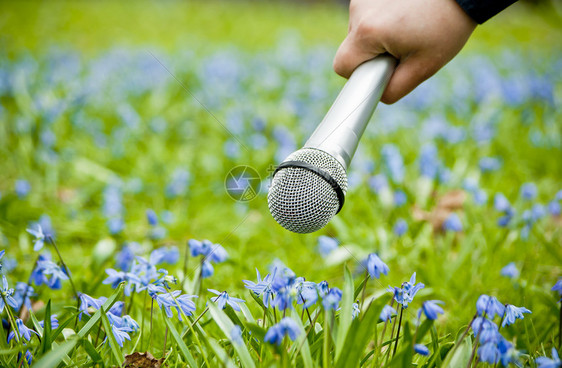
[(350, 55), (410, 72)]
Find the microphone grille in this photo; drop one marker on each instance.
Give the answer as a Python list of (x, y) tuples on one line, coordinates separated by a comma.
[(301, 200)]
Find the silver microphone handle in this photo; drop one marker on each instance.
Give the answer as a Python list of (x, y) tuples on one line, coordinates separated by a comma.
[(341, 129)]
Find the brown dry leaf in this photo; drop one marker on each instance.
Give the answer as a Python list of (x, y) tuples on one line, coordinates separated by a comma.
[(142, 360), (450, 202)]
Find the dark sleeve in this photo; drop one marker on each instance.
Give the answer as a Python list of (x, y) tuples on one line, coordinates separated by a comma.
[(482, 10)]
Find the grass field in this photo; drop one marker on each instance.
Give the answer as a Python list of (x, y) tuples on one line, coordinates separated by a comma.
[(99, 124)]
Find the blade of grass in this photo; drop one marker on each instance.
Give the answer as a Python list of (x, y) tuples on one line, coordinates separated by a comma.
[(92, 352), (184, 351), (96, 317), (115, 348), (345, 315), (226, 325), (47, 331), (55, 356)]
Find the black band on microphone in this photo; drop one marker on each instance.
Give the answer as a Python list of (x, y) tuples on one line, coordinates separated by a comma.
[(318, 171)]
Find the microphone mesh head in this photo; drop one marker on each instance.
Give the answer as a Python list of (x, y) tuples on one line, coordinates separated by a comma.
[(301, 200)]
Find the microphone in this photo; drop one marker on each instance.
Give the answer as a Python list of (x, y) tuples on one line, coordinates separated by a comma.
[(308, 188)]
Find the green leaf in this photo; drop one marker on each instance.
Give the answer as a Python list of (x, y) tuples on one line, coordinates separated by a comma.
[(345, 315), (115, 348), (47, 331), (358, 336), (221, 354), (96, 317), (92, 352), (179, 342), (226, 325), (301, 343), (460, 356), (55, 356)]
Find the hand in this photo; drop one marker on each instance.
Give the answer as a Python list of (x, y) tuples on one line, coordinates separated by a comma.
[(422, 34)]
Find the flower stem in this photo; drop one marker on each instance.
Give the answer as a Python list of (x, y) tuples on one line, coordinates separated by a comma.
[(165, 338), (185, 262), (398, 333), (151, 314), (364, 288), (27, 287), (142, 326), (325, 352), (475, 343)]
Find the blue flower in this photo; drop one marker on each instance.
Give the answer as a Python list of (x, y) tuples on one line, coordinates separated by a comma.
[(431, 309), (151, 217), (452, 223), (387, 313), (400, 227), (375, 266), (308, 294), (489, 353), (207, 269), (528, 191), (512, 313), (115, 225), (236, 335), (7, 293), (120, 334), (126, 256), (406, 294), (558, 286), (54, 322), (39, 240), (399, 198), (323, 288), (507, 353), (286, 327), (393, 162), (428, 161), (86, 302), (421, 349), (488, 164), (117, 277), (554, 208), (24, 331), (378, 183), (2, 252), (332, 299), (177, 301), (223, 299), (23, 289), (355, 310), (48, 273), (510, 271), (326, 245), (22, 188), (262, 287), (501, 203), (168, 255), (485, 329), (490, 306), (544, 362), (214, 252)]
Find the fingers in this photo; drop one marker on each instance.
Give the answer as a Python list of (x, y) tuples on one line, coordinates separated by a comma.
[(410, 72), (349, 56)]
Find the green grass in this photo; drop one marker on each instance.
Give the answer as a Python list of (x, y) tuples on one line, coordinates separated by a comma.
[(456, 268)]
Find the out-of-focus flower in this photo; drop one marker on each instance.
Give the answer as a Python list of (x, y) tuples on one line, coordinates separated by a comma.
[(528, 191), (39, 240), (223, 299), (24, 331), (332, 299), (406, 294), (387, 313), (378, 183), (23, 289), (490, 306), (213, 252), (554, 208), (236, 335), (22, 188), (48, 273), (488, 164), (54, 322), (399, 198), (544, 362), (207, 269), (308, 294), (485, 329), (375, 266), (452, 223), (510, 271), (421, 349), (178, 184), (393, 162), (431, 309), (489, 353), (355, 310), (169, 255), (400, 227), (326, 245), (286, 327), (151, 217), (512, 313), (126, 256), (558, 286), (7, 293)]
